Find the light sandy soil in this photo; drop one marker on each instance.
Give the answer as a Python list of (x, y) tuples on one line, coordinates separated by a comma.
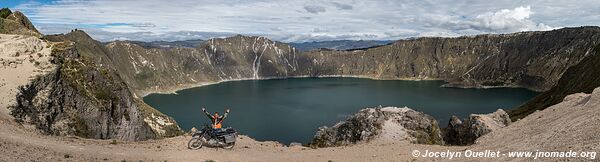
[(572, 125), (18, 57)]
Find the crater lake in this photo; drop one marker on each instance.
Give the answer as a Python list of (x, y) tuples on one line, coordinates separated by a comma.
[(291, 110)]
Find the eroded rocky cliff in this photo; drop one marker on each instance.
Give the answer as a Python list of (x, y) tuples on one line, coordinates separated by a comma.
[(82, 98), (466, 132), (392, 123)]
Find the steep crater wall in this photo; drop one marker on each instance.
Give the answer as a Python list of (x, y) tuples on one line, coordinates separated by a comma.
[(534, 60), (80, 98)]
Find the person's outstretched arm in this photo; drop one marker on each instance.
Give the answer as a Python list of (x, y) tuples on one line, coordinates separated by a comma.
[(207, 113), (225, 115)]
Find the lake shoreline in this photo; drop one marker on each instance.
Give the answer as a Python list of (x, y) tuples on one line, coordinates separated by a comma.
[(175, 89)]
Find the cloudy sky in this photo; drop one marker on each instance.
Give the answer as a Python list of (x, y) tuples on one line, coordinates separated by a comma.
[(302, 20)]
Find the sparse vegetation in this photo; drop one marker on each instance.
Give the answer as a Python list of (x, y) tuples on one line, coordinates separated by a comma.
[(2, 30), (5, 12), (81, 129), (170, 130)]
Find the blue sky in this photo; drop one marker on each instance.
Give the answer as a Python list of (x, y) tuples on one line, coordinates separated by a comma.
[(302, 20)]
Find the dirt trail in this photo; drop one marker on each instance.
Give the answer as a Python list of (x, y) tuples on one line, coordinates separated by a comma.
[(17, 144)]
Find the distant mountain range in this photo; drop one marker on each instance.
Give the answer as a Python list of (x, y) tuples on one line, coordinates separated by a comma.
[(304, 46), (339, 44), (169, 44)]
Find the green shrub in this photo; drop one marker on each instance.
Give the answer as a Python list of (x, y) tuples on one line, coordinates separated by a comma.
[(4, 12), (2, 30)]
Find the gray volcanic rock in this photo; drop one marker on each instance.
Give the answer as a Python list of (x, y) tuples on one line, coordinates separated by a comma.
[(477, 125), (389, 122), (83, 99)]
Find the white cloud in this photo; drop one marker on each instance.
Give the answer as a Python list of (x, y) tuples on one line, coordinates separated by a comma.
[(305, 20), (508, 21)]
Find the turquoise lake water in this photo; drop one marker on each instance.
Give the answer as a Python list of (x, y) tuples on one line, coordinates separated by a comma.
[(291, 110)]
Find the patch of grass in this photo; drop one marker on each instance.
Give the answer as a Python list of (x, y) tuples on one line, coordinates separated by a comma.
[(2, 30), (113, 142), (81, 129)]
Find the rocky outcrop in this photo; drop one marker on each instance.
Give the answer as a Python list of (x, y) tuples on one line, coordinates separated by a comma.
[(392, 123), (81, 98), (16, 23), (466, 132)]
